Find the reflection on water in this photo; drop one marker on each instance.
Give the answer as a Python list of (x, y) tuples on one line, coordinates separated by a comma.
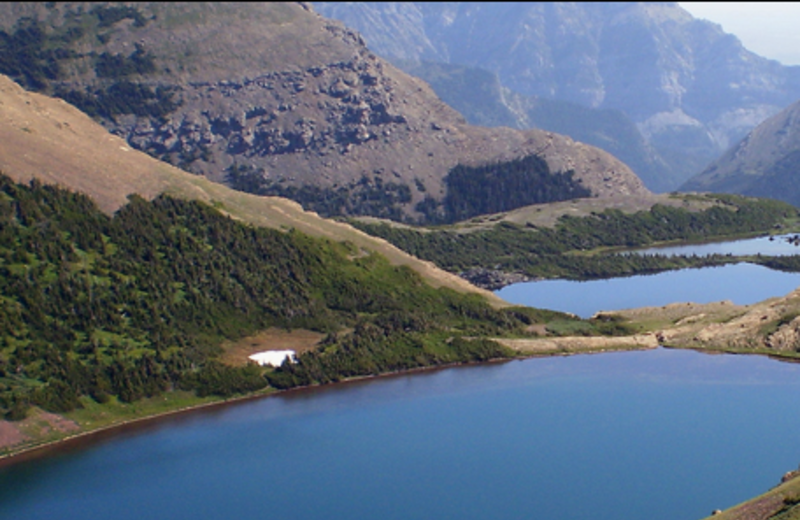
[(780, 245)]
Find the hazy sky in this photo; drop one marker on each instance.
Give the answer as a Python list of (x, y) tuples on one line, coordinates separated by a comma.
[(769, 29)]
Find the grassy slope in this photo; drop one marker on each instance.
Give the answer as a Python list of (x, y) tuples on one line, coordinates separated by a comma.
[(770, 327), (49, 139), (547, 215), (46, 138)]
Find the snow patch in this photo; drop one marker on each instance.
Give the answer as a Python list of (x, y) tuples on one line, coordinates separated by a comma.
[(273, 358)]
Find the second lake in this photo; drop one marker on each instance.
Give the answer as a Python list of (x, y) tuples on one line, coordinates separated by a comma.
[(743, 284)]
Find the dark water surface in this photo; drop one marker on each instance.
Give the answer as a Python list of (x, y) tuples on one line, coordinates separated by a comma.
[(657, 434)]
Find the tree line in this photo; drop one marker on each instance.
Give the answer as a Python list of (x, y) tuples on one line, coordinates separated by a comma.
[(35, 56), (500, 186), (563, 250)]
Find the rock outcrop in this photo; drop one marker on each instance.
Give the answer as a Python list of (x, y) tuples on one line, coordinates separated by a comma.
[(278, 90)]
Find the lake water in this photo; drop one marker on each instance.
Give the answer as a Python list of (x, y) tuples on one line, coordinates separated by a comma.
[(657, 434), (776, 246), (741, 283)]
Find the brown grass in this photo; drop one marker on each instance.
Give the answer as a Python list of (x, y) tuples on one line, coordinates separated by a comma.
[(49, 139), (38, 425), (10, 435), (577, 344), (547, 215), (236, 353), (763, 506)]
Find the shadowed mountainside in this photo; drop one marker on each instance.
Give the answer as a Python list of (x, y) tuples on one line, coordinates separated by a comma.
[(480, 97)]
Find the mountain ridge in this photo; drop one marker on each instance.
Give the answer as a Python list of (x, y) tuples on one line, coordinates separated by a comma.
[(763, 164), (319, 115), (692, 89), (480, 97), (48, 139)]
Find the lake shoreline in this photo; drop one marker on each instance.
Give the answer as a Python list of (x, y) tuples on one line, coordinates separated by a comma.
[(87, 438), (158, 428)]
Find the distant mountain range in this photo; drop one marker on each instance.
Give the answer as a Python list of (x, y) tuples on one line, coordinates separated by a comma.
[(274, 99), (764, 164), (480, 97), (691, 89)]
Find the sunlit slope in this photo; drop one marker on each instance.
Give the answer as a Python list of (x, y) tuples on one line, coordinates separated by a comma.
[(49, 139)]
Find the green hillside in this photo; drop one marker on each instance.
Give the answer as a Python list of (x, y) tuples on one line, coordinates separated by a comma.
[(138, 304), (582, 247)]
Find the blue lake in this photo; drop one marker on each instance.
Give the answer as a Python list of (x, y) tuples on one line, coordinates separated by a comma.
[(741, 283), (774, 246), (655, 434)]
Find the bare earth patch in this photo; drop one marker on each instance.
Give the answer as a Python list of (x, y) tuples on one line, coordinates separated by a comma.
[(10, 435), (271, 339), (38, 425), (759, 509), (580, 343), (56, 422)]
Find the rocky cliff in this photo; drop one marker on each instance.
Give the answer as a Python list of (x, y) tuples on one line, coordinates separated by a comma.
[(692, 89), (276, 91)]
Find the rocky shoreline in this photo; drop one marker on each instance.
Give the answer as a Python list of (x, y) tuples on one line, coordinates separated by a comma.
[(492, 279)]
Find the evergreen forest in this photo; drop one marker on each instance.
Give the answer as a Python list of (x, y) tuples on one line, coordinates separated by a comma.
[(498, 187), (134, 305), (471, 191), (581, 248)]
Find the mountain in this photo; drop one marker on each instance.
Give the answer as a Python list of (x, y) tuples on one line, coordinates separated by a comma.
[(691, 89), (48, 139), (763, 164), (480, 97), (277, 100), (153, 299)]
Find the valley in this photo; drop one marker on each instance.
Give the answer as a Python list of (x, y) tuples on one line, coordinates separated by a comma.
[(174, 199)]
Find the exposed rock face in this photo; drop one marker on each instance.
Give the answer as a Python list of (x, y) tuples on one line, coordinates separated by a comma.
[(692, 89), (765, 164), (786, 338), (280, 89)]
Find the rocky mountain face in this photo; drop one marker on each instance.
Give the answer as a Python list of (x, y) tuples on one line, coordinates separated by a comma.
[(691, 89), (279, 98), (480, 97), (764, 164)]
